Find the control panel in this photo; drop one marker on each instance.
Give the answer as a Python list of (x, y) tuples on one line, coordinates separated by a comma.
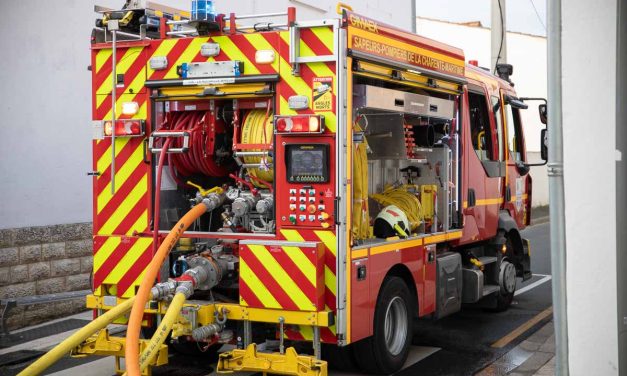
[(306, 182)]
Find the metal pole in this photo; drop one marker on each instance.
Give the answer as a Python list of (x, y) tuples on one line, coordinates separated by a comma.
[(499, 33), (621, 184), (413, 17), (555, 169), (113, 27)]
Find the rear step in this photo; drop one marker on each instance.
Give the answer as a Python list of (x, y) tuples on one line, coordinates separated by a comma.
[(485, 260), (290, 363)]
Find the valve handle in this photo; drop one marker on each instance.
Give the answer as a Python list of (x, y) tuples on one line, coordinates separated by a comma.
[(204, 192)]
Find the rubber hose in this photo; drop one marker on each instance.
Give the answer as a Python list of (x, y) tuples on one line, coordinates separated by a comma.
[(151, 351), (143, 293), (63, 348)]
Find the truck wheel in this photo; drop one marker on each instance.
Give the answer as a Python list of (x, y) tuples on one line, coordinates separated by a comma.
[(507, 281), (386, 351)]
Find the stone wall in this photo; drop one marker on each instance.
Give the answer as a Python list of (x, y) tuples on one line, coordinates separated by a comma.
[(45, 260)]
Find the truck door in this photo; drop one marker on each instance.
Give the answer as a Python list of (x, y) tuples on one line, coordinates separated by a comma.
[(484, 169), (518, 181)]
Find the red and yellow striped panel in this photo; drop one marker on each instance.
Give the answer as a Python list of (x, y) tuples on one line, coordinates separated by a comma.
[(126, 211), (314, 42), (328, 239), (119, 263), (131, 63), (289, 276)]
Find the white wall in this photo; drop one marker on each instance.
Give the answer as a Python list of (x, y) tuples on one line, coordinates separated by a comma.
[(45, 105), (527, 53), (589, 98)]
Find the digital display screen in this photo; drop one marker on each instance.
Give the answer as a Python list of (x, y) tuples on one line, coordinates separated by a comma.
[(307, 163)]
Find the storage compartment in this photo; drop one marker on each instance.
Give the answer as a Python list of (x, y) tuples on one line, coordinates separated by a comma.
[(473, 285), (449, 284)]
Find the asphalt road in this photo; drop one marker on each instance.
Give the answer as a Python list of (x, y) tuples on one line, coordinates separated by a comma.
[(461, 344)]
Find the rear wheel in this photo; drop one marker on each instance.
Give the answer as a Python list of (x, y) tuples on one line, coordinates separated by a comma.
[(386, 351)]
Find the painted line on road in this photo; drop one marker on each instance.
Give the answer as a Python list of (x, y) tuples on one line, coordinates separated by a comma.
[(545, 278), (504, 341)]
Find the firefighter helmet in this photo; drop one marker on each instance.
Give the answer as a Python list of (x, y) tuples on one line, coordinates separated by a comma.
[(391, 221)]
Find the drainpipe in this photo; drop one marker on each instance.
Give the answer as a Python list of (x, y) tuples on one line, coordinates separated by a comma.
[(555, 167)]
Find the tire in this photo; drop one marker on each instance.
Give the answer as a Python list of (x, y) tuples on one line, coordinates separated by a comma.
[(386, 351), (505, 296)]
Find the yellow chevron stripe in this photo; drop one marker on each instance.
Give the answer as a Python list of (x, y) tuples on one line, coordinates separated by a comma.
[(292, 235), (140, 225), (121, 175), (330, 280), (186, 57), (286, 282), (125, 207), (105, 251), (163, 50), (329, 240), (129, 259), (326, 36), (123, 65), (284, 108), (256, 286), (131, 291), (234, 53), (105, 161), (261, 43), (306, 331), (302, 262), (101, 58)]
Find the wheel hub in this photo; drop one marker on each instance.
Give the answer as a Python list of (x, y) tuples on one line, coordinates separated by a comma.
[(507, 277), (395, 326)]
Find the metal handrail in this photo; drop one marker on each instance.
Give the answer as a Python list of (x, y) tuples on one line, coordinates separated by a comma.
[(262, 15)]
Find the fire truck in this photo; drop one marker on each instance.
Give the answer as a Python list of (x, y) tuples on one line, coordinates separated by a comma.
[(293, 191)]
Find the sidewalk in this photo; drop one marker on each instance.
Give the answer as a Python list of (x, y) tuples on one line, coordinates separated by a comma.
[(535, 356)]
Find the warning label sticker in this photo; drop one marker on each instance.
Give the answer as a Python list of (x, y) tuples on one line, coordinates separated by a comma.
[(322, 94)]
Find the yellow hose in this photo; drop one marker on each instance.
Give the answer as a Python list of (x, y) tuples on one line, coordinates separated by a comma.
[(151, 351), (63, 348), (404, 200), (143, 293), (257, 129), (361, 215)]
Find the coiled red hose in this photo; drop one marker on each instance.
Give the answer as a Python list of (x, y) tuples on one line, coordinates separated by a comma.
[(200, 158)]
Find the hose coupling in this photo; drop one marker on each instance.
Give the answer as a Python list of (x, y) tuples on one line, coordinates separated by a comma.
[(162, 290), (185, 287), (206, 331)]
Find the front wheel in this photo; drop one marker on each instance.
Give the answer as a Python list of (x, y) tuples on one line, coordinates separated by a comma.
[(386, 351)]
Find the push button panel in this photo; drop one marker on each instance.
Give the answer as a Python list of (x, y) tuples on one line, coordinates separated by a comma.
[(309, 206)]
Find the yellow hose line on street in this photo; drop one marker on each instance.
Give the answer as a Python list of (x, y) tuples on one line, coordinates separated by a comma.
[(63, 348), (258, 129), (161, 334)]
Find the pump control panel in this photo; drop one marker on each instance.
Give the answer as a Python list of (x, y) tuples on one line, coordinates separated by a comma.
[(306, 199)]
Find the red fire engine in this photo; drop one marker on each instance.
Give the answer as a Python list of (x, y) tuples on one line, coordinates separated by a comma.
[(275, 184)]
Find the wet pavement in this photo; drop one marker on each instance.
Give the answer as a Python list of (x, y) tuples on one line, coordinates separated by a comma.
[(472, 341)]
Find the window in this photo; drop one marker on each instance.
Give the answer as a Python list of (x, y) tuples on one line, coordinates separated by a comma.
[(514, 135), (480, 126), (496, 110)]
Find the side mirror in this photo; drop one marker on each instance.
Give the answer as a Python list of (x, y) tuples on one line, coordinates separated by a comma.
[(544, 144), (542, 111)]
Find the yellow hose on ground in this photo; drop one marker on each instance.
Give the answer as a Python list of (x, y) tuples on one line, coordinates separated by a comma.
[(151, 351), (361, 215), (258, 128), (143, 293), (404, 200), (63, 348)]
